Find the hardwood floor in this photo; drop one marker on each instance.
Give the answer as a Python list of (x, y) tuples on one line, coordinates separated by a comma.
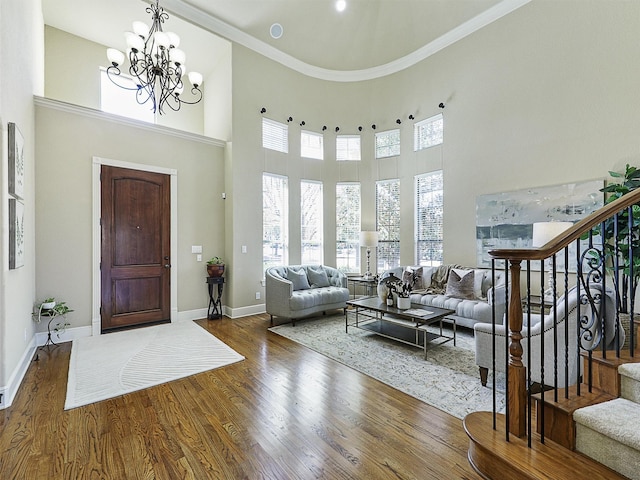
[(285, 412)]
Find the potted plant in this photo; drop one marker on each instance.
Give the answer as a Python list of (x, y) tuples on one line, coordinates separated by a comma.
[(629, 181), (404, 302), (215, 267)]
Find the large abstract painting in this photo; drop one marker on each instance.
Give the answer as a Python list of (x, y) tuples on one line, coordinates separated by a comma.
[(505, 220)]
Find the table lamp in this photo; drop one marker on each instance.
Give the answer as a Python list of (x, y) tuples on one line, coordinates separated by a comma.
[(368, 239), (543, 233)]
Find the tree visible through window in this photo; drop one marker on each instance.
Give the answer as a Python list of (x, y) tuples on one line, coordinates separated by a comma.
[(311, 222), (428, 133), (275, 220), (388, 143), (388, 223), (348, 227), (429, 219)]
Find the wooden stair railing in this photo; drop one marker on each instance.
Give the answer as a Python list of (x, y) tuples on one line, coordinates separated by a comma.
[(517, 388), (521, 401)]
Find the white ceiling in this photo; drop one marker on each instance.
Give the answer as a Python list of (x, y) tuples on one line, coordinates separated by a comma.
[(369, 39)]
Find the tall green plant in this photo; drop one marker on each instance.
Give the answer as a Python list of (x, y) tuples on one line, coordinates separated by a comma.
[(619, 237)]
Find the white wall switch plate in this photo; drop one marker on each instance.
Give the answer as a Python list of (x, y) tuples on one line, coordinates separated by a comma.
[(196, 248)]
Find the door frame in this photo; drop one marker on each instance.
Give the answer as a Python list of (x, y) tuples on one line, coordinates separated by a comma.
[(96, 321)]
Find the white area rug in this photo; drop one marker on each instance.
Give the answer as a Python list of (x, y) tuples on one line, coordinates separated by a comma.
[(447, 380), (113, 364)]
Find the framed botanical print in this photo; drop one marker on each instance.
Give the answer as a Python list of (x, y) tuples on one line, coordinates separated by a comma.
[(16, 233), (16, 162)]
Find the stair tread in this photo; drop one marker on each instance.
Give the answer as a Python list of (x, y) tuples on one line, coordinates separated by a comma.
[(631, 370), (612, 358), (617, 419), (575, 401), (492, 455)]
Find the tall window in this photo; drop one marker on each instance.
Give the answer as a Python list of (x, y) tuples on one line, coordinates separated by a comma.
[(388, 143), (275, 135), (388, 223), (428, 133), (347, 147), (348, 227), (429, 216), (311, 145), (275, 224), (311, 221), (119, 101)]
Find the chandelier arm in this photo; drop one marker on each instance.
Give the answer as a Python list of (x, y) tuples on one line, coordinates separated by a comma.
[(113, 72), (193, 90)]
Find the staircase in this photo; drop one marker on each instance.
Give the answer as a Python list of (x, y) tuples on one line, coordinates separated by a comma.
[(590, 426), (609, 431)]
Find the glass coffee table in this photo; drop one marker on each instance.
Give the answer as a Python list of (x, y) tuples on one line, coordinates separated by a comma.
[(406, 326)]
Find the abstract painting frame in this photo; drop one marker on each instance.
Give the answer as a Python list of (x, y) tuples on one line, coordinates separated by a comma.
[(16, 162), (16, 233), (505, 220)]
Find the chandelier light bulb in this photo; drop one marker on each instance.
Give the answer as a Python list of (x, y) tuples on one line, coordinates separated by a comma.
[(134, 42), (141, 29), (195, 78), (178, 90), (177, 56), (116, 57), (174, 40), (161, 39), (341, 5)]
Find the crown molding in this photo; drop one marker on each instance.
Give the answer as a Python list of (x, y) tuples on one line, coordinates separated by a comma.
[(194, 15), (109, 117)]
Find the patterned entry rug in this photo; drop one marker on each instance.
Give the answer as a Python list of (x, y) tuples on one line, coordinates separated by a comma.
[(447, 380), (113, 364)]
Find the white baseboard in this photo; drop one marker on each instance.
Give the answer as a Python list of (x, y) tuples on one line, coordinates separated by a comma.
[(9, 391), (245, 311)]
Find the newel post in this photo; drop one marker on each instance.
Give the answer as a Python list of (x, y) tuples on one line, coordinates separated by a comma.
[(517, 375)]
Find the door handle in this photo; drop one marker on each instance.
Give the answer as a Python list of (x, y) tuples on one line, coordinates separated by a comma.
[(167, 266)]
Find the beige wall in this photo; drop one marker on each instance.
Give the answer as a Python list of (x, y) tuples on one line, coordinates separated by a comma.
[(545, 95), (65, 146), (21, 73)]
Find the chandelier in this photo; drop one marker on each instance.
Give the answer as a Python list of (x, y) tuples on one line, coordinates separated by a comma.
[(156, 64)]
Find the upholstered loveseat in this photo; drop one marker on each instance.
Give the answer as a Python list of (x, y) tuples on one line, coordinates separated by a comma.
[(472, 305), (297, 291)]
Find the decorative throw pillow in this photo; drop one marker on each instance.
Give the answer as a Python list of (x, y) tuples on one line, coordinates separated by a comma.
[(298, 278), (413, 276), (460, 284), (317, 277)]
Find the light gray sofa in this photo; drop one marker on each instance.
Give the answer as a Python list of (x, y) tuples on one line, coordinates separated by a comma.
[(297, 291), (469, 311)]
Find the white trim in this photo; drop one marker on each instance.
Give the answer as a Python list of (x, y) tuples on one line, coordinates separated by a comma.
[(198, 17), (244, 311), (97, 164), (10, 390), (131, 122)]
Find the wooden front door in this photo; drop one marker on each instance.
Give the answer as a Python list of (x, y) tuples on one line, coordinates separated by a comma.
[(135, 262)]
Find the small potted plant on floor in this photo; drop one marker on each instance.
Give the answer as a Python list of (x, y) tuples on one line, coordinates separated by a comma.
[(215, 267)]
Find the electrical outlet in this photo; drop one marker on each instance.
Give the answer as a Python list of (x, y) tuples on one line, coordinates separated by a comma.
[(257, 295)]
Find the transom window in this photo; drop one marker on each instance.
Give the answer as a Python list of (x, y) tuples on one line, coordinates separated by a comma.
[(347, 147), (429, 218), (388, 143), (428, 133), (275, 135), (119, 101), (311, 145), (348, 214)]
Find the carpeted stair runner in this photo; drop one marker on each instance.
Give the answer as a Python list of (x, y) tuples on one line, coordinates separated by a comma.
[(608, 432)]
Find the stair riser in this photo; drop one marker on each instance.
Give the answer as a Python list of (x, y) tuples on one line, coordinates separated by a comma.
[(619, 457), (630, 388)]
